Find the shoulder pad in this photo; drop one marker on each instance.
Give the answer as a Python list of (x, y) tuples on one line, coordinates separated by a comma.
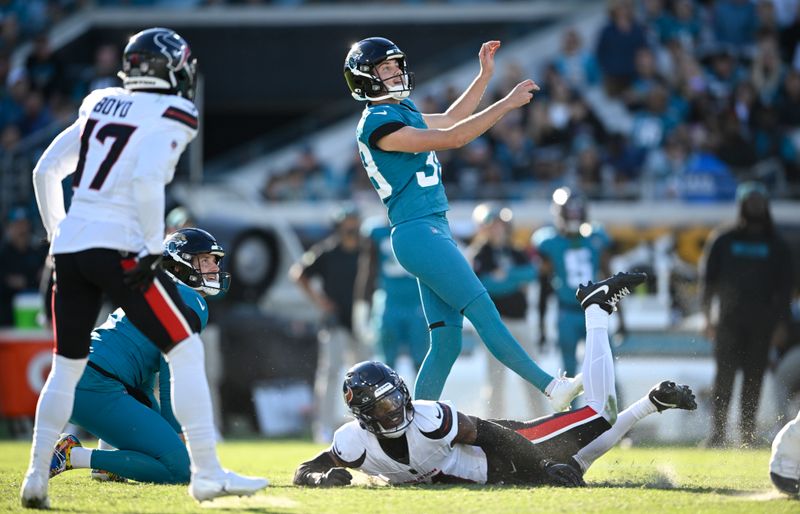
[(348, 444), (182, 111)]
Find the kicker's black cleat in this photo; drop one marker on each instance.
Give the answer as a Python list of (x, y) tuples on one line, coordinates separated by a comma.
[(610, 291), (668, 395)]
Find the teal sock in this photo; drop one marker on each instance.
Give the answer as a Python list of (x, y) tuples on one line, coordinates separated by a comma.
[(486, 320), (445, 348), (136, 466)]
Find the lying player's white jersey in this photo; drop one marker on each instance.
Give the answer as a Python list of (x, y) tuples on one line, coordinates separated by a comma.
[(785, 459), (432, 456), (123, 150)]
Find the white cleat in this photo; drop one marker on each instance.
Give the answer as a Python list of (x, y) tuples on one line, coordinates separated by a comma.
[(226, 484), (564, 390), (34, 491)]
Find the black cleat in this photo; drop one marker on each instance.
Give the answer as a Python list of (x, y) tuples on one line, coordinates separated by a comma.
[(668, 395), (608, 292)]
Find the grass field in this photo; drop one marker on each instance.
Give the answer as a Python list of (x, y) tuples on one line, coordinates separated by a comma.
[(653, 480)]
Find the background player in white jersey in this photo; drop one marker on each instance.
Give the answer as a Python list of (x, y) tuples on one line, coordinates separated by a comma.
[(121, 152), (406, 442), (784, 466)]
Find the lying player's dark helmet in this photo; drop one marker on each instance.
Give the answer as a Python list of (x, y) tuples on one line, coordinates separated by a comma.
[(159, 59), (360, 74), (570, 210), (179, 249), (378, 398)]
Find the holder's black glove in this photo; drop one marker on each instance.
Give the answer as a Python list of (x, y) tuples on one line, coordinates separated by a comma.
[(332, 478), (141, 276), (563, 475)]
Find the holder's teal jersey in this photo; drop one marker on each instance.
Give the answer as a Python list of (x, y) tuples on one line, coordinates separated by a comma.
[(120, 348), (575, 259), (409, 184)]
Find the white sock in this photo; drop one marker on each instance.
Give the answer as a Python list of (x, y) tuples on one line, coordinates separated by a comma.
[(102, 445), (53, 410), (598, 365), (191, 403), (625, 421), (80, 457), (596, 317)]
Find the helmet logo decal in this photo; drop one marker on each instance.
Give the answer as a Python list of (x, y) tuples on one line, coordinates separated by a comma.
[(176, 53), (352, 60), (177, 241)]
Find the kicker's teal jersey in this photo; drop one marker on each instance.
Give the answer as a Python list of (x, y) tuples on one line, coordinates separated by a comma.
[(575, 259), (121, 349), (409, 184)]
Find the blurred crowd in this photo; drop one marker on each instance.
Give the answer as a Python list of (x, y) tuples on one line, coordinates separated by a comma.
[(703, 93)]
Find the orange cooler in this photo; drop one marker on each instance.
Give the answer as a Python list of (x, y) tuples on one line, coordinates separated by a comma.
[(25, 360)]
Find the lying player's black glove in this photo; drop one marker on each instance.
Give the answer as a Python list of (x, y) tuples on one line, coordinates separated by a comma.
[(562, 475), (141, 276), (331, 478)]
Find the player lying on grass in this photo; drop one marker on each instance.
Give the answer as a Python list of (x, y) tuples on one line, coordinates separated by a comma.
[(114, 399), (784, 466), (408, 442)]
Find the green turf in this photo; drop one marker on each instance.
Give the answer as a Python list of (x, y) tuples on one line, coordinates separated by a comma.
[(650, 480)]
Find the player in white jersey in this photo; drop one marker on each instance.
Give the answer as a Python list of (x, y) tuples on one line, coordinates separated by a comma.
[(784, 466), (408, 442), (121, 152)]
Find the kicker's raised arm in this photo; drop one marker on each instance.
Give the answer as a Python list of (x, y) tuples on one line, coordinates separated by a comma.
[(469, 100)]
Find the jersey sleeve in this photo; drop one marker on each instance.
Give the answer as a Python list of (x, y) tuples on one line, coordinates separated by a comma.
[(380, 122), (436, 420), (182, 113), (58, 161), (349, 446), (196, 302)]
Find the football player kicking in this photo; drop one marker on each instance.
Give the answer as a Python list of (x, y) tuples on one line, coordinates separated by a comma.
[(408, 442), (121, 152), (114, 399), (398, 147)]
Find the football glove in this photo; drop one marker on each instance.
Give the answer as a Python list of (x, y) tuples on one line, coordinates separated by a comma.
[(562, 475), (332, 478), (141, 276)]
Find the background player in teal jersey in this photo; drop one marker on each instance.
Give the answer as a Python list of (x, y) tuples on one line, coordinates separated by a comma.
[(398, 147), (387, 298), (573, 252), (115, 400)]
